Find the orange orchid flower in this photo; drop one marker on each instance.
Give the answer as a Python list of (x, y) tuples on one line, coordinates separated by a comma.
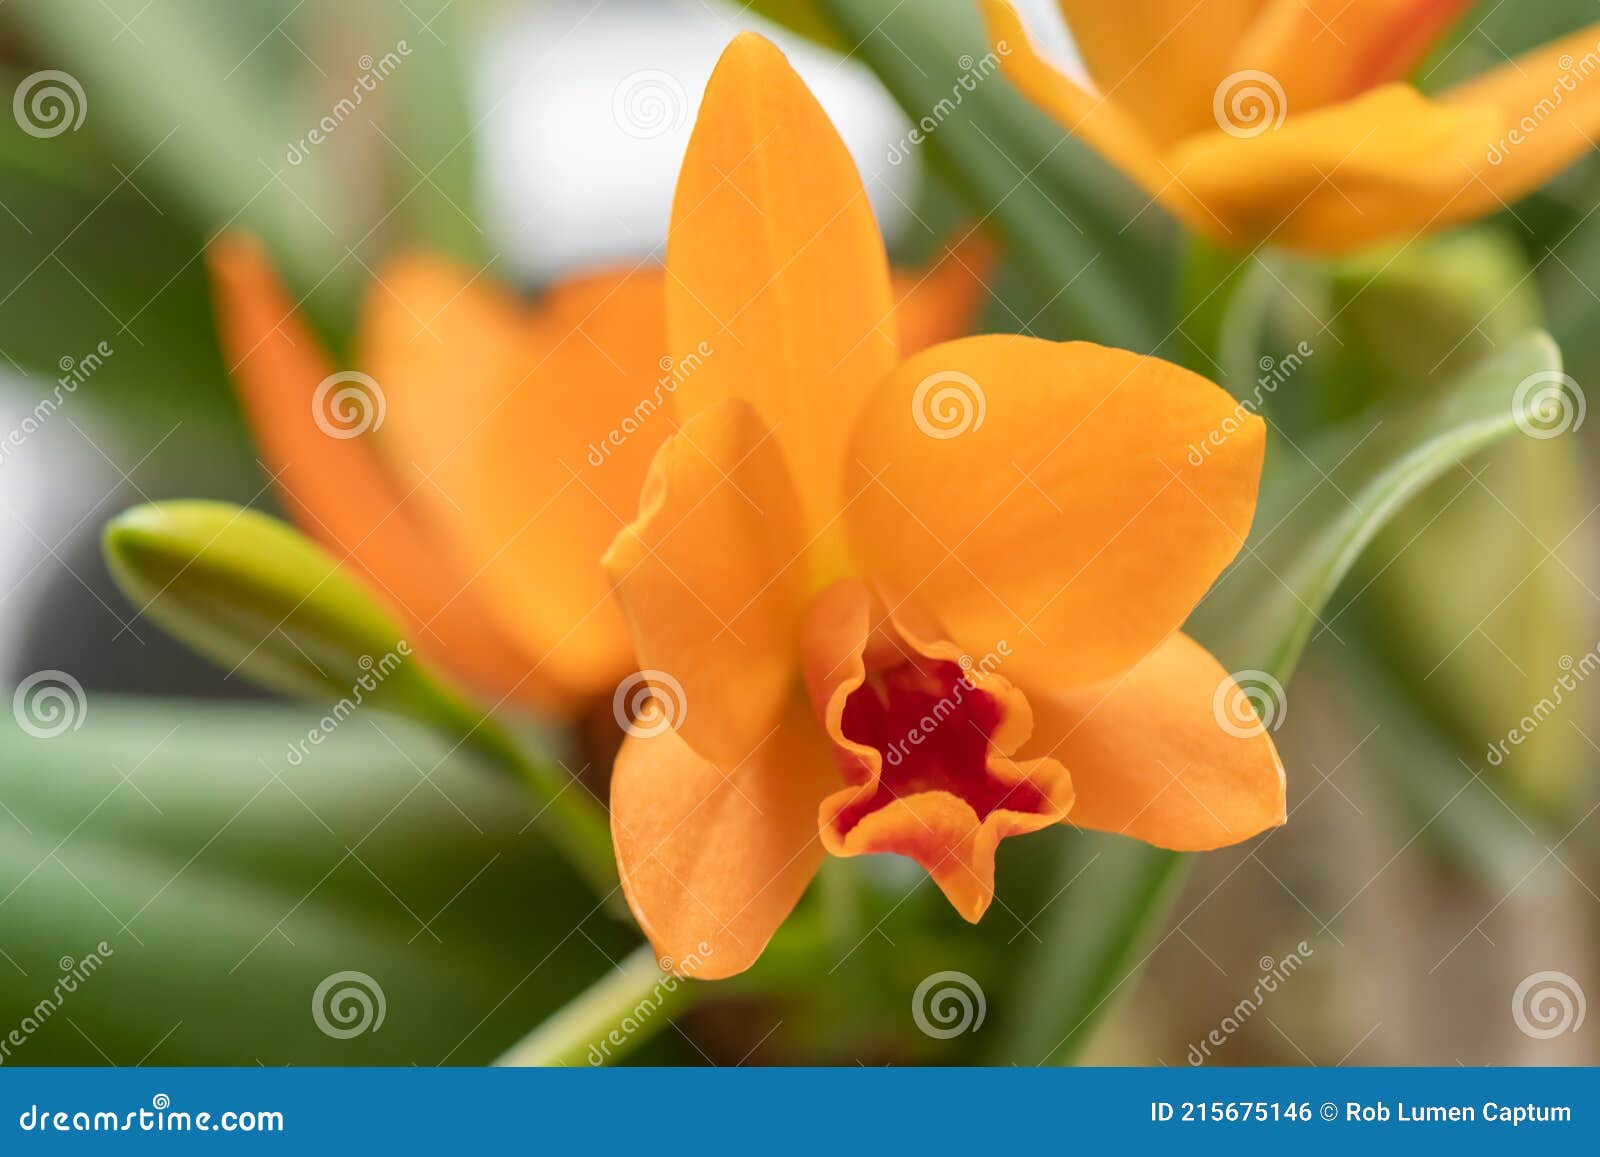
[(910, 605), (1288, 121), (477, 467)]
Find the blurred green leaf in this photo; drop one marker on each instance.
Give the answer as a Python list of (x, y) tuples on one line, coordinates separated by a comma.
[(1569, 286), (230, 882), (1491, 32), (1308, 531), (1069, 222), (103, 305), (71, 160), (428, 130), (1114, 894), (251, 593), (1423, 312), (803, 16), (191, 103), (1327, 502), (1477, 645)]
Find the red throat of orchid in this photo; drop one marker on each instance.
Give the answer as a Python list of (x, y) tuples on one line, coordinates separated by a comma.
[(932, 727), (923, 740)]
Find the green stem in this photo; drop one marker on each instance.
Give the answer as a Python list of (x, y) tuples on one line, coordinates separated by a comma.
[(840, 903), (1116, 892), (1208, 284), (575, 823), (612, 1018)]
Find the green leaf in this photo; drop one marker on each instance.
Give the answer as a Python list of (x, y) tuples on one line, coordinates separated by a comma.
[(429, 135), (1475, 645), (1308, 532), (802, 16), (230, 881), (1091, 943), (1425, 312), (1488, 37), (1325, 505), (190, 98), (104, 306), (1072, 224), (252, 594)]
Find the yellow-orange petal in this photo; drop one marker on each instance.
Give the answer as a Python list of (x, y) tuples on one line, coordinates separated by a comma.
[(1166, 753), (525, 434), (333, 485), (922, 735), (711, 578), (712, 858), (1549, 110), (1390, 163), (1100, 120), (775, 262), (942, 300), (1070, 501), (1321, 51), (1160, 59)]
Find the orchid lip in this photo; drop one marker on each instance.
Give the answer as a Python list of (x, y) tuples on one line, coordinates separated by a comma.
[(931, 726), (923, 741)]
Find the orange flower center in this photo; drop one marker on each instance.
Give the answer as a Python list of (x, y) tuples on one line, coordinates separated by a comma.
[(932, 727)]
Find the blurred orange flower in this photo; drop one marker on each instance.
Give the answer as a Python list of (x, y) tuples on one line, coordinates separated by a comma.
[(1288, 121), (476, 467), (887, 605)]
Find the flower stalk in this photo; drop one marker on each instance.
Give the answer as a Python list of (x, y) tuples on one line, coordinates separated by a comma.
[(632, 1004), (573, 820)]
